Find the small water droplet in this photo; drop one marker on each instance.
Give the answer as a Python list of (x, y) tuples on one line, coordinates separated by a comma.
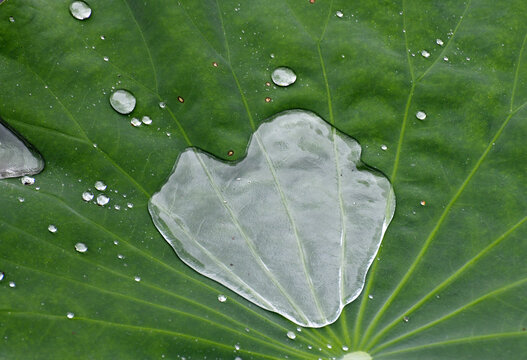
[(423, 203), (445, 59), (339, 14), (222, 298), (27, 180), (87, 196), (467, 58), (102, 37), (329, 346), (135, 122), (237, 347), (267, 99), (291, 335), (238, 358), (70, 315), (272, 56), (421, 115), (21, 199), (120, 256), (81, 247), (116, 242), (345, 348), (99, 185), (102, 200), (12, 284), (106, 58), (370, 297), (310, 347), (146, 120), (406, 319), (384, 147), (80, 10), (283, 76), (11, 19), (162, 105), (215, 64), (122, 101), (52, 229), (439, 42), (2, 275), (130, 205), (137, 278), (425, 53)]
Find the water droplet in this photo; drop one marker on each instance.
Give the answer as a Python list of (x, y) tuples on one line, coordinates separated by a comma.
[(162, 105), (18, 156), (80, 10), (421, 115), (215, 64), (116, 242), (406, 319), (26, 180), (267, 99), (238, 358), (467, 58), (339, 14), (445, 59), (370, 297), (81, 247), (135, 122), (237, 347), (11, 19), (106, 58), (425, 53), (52, 229), (70, 315), (130, 205), (146, 120), (272, 56), (222, 298), (12, 284), (423, 203), (283, 76), (99, 185), (310, 347), (439, 42), (122, 101), (180, 99), (2, 275), (345, 348), (384, 147), (120, 256), (21, 199), (102, 37), (291, 335), (137, 278), (87, 196), (102, 200)]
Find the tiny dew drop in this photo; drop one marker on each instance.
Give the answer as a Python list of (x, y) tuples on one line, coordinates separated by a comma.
[(291, 335), (52, 228), (70, 315), (11, 19), (130, 205), (27, 180), (283, 76), (421, 115), (87, 196), (102, 200), (99, 185), (137, 278), (384, 147), (222, 298), (439, 42), (12, 284), (162, 105), (345, 348), (237, 347), (106, 58), (2, 275), (135, 122), (21, 199), (122, 101), (406, 319), (425, 53), (81, 247), (339, 14), (146, 120), (370, 296), (80, 10), (445, 59)]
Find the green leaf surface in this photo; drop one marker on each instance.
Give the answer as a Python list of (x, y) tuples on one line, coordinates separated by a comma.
[(450, 280)]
